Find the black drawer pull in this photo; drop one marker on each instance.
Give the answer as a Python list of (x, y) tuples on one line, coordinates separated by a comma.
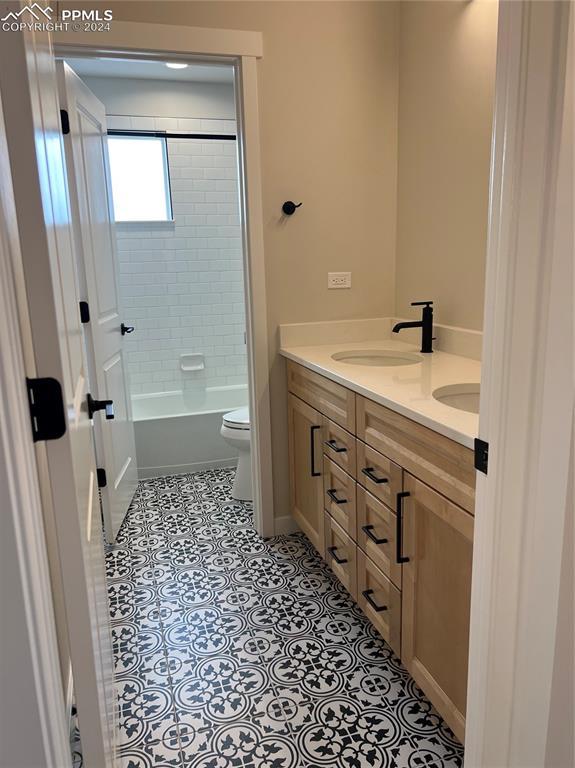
[(312, 430), (337, 559), (367, 529), (367, 593), (399, 530), (370, 472), (333, 496), (335, 447)]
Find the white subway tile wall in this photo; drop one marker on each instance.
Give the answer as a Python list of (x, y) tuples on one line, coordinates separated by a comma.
[(181, 282)]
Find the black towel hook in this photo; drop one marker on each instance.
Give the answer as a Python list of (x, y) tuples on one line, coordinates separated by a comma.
[(289, 207)]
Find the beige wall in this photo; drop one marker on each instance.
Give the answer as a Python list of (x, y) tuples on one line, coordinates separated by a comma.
[(328, 85), (331, 79), (446, 84)]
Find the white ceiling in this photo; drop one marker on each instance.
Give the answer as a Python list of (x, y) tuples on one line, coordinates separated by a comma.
[(152, 70)]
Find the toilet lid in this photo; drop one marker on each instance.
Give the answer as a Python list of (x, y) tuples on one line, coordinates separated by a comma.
[(239, 419)]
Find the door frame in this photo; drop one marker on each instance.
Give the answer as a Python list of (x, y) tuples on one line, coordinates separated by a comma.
[(242, 49), (526, 412), (44, 728)]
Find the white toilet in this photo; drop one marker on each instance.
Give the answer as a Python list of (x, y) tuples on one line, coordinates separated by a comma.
[(236, 432)]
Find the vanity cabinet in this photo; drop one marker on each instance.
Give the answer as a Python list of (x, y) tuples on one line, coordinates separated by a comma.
[(388, 503), (438, 545), (306, 475)]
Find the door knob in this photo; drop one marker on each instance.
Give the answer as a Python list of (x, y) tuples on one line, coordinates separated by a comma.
[(126, 329), (100, 405)]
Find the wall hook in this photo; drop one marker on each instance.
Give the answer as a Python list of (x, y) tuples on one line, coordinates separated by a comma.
[(289, 207)]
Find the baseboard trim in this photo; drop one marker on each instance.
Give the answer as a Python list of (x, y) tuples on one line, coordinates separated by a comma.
[(285, 525), (145, 473)]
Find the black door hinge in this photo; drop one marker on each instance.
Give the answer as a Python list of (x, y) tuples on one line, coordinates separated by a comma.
[(46, 409), (84, 312), (65, 121), (102, 479), (481, 455)]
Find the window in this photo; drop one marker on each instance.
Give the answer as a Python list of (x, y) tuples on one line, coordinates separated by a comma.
[(140, 178)]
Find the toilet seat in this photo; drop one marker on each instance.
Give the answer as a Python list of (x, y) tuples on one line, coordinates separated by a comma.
[(238, 419)]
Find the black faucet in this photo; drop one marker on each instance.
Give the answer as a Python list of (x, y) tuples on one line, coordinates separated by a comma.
[(426, 325)]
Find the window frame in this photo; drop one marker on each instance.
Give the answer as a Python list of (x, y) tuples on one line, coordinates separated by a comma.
[(135, 134)]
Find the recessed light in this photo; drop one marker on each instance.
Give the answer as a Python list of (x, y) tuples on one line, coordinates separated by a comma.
[(176, 65)]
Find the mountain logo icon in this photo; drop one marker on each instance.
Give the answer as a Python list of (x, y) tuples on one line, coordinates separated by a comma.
[(35, 10)]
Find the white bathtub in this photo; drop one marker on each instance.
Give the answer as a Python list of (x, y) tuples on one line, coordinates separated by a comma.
[(180, 431)]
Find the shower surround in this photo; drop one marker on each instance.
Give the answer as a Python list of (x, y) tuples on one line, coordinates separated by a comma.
[(181, 285)]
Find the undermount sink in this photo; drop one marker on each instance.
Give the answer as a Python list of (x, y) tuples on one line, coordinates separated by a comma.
[(378, 357), (464, 397)]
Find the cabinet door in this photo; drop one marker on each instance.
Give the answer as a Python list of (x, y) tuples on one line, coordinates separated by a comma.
[(305, 457), (438, 542)]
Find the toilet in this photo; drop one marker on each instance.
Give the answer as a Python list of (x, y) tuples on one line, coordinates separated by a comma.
[(236, 432)]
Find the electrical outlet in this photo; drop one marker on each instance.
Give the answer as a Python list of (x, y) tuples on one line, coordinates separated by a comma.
[(339, 279)]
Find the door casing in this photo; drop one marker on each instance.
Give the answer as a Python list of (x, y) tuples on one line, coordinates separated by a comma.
[(241, 49)]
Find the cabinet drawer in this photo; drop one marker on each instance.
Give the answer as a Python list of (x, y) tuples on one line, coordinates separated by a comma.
[(331, 399), (378, 474), (379, 600), (339, 496), (376, 534), (339, 445), (440, 462), (341, 554)]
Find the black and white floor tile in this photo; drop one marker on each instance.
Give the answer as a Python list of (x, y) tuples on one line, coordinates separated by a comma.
[(234, 652)]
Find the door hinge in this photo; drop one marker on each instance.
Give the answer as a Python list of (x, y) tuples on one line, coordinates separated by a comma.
[(481, 455), (102, 479), (65, 121), (84, 312), (46, 409)]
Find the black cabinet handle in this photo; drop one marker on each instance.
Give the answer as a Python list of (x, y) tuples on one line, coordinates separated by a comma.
[(367, 529), (100, 405), (333, 496), (367, 593), (337, 559), (370, 472), (124, 329), (312, 431), (399, 530), (335, 447)]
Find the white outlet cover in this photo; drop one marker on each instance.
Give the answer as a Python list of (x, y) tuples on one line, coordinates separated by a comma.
[(339, 279)]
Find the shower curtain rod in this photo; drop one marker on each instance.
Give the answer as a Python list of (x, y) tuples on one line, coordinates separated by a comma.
[(172, 135)]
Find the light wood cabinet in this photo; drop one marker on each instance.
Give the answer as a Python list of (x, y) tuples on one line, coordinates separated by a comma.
[(339, 496), (378, 474), (380, 600), (331, 399), (438, 461), (341, 554), (376, 534), (438, 542), (305, 457), (390, 513), (339, 445)]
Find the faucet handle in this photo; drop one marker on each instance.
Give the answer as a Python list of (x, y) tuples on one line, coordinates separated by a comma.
[(421, 303)]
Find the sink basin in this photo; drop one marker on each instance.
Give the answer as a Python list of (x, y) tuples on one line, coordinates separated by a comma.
[(377, 357), (464, 397)]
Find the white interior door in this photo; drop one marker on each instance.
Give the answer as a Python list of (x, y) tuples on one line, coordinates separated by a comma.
[(88, 178), (49, 312)]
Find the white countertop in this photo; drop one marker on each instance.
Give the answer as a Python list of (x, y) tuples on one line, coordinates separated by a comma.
[(407, 388)]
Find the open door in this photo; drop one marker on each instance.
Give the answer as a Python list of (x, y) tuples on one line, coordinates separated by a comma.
[(50, 317), (88, 179)]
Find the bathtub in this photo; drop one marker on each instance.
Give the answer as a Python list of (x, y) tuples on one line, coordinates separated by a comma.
[(180, 431)]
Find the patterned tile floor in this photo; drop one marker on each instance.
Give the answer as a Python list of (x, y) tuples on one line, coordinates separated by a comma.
[(233, 652)]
